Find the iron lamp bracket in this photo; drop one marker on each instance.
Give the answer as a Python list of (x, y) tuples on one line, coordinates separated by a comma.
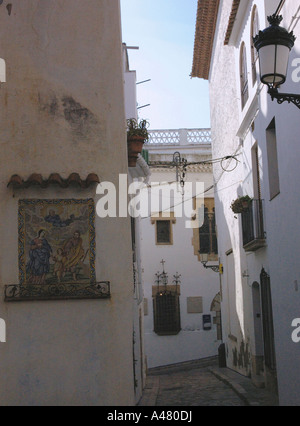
[(215, 268), (284, 97)]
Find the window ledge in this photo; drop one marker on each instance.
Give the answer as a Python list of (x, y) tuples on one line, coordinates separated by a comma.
[(167, 333), (255, 244)]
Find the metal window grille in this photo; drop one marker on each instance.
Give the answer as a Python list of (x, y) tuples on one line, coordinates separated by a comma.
[(166, 308), (207, 234), (253, 223), (163, 231)]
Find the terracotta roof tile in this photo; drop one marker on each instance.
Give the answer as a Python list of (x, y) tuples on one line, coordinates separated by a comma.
[(234, 11), (54, 179), (207, 15)]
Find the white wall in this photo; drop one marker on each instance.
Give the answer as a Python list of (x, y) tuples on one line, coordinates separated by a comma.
[(192, 342), (225, 119), (283, 222), (230, 126)]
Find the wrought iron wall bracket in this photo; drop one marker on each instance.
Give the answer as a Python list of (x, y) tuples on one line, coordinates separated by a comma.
[(284, 97), (63, 291), (215, 268)]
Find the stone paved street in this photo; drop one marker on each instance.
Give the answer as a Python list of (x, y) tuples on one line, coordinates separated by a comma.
[(196, 385)]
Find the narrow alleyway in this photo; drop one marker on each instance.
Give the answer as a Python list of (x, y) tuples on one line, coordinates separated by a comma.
[(193, 384)]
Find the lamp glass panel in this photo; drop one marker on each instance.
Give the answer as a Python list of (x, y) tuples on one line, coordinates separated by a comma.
[(283, 54), (273, 63)]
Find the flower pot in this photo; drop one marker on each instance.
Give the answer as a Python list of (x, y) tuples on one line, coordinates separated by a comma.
[(135, 146), (241, 204)]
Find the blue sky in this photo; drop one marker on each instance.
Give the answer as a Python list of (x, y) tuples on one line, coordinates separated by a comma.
[(164, 31)]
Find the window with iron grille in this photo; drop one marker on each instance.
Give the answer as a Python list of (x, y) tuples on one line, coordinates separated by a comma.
[(207, 234), (163, 227), (163, 232), (166, 309)]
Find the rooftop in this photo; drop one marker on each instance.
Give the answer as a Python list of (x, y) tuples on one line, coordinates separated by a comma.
[(182, 137), (206, 22)]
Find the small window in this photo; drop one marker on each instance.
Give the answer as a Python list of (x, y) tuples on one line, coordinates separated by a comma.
[(244, 76), (163, 232), (163, 228)]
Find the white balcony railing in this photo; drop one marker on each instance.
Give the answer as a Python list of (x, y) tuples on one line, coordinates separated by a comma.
[(180, 137)]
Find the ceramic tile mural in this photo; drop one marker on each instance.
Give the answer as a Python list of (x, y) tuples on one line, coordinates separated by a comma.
[(56, 242)]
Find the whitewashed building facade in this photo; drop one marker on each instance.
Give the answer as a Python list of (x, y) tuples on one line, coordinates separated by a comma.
[(181, 305), (260, 249)]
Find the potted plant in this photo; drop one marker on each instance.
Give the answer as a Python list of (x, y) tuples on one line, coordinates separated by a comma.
[(241, 204), (137, 135)]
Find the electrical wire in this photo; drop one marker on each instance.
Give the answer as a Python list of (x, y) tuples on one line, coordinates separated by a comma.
[(220, 160), (183, 201), (229, 158), (197, 163)]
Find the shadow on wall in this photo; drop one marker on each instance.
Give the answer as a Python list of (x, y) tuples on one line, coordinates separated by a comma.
[(234, 299)]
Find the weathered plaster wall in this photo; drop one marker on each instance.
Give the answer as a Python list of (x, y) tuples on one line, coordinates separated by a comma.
[(62, 110)]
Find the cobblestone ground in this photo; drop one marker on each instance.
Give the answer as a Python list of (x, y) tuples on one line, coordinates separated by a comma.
[(195, 384), (198, 387)]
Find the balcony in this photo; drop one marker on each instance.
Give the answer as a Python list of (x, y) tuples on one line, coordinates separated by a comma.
[(254, 236), (179, 137)]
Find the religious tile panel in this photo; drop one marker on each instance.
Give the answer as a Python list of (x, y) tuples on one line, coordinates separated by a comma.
[(56, 251)]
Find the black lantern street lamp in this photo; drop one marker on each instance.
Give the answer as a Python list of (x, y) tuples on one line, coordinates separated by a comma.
[(274, 45)]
